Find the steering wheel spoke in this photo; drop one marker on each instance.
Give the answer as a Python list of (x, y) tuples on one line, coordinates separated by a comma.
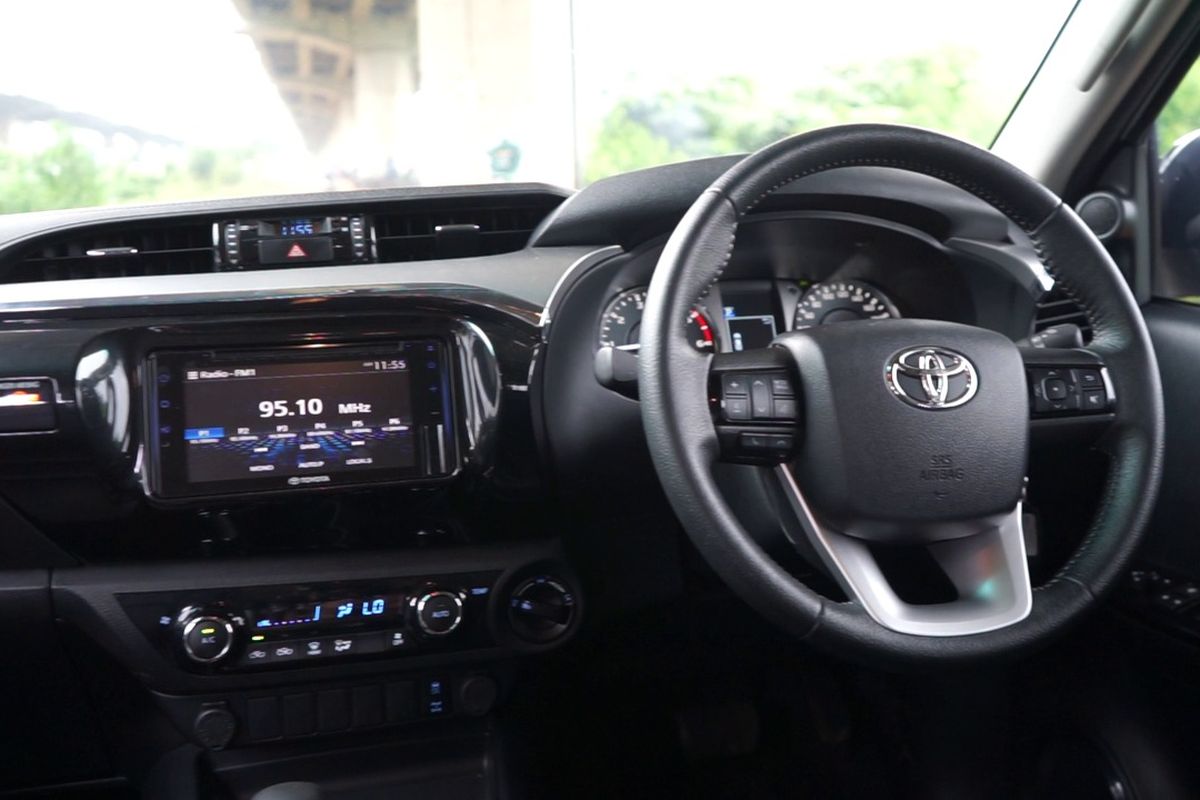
[(984, 576)]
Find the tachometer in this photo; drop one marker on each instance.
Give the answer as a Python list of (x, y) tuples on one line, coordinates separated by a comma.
[(622, 322), (842, 301)]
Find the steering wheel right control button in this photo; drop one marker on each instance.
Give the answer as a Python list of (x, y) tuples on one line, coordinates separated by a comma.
[(439, 612), (541, 609), (1063, 391)]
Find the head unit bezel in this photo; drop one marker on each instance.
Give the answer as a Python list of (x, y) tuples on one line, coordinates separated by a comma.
[(164, 467)]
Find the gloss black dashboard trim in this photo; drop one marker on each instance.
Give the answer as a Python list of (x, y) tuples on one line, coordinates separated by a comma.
[(519, 284)]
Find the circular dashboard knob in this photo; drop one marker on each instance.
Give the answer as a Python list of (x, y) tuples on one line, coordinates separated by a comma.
[(541, 609), (207, 638), (439, 612)]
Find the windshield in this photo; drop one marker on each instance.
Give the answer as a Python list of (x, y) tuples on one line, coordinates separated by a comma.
[(129, 101)]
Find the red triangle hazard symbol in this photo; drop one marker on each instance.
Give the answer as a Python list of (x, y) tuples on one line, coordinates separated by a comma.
[(297, 252)]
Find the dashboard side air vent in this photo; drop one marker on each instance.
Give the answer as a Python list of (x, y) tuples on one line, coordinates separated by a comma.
[(1057, 308), (129, 250), (457, 227)]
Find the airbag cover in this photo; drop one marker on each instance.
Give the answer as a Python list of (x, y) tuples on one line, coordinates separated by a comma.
[(907, 422)]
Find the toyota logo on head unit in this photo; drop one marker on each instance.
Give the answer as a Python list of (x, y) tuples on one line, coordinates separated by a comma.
[(932, 378)]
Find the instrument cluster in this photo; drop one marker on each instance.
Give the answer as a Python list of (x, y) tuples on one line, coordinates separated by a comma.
[(748, 314)]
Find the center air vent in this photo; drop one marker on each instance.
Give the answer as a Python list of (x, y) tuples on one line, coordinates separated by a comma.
[(450, 228), (1057, 308), (128, 251)]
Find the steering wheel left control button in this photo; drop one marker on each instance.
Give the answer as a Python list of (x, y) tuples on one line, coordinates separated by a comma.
[(734, 385), (736, 409), (767, 444), (785, 408), (760, 398)]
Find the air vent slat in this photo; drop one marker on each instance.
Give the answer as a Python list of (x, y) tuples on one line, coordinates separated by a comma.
[(1056, 308), (505, 224), (153, 249)]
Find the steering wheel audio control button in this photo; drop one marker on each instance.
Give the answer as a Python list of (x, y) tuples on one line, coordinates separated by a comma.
[(736, 409), (735, 385), (785, 408), (781, 387), (760, 398)]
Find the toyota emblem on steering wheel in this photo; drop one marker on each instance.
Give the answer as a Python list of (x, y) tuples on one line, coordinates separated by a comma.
[(933, 378)]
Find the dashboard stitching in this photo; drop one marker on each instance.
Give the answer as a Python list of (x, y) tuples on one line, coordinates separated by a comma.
[(1094, 317), (969, 186), (728, 252)]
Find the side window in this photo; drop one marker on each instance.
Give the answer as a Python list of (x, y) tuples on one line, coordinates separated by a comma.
[(1178, 135)]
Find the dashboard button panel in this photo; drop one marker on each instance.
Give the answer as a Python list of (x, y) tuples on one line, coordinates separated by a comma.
[(264, 628)]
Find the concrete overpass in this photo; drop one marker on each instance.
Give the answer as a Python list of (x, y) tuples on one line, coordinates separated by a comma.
[(406, 91)]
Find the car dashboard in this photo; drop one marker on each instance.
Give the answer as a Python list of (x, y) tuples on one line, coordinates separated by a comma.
[(311, 466)]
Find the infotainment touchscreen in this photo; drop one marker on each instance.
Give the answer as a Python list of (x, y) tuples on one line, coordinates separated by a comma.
[(233, 422)]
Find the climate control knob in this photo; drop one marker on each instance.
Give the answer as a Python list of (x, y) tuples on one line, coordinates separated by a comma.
[(541, 609), (206, 638), (439, 612)]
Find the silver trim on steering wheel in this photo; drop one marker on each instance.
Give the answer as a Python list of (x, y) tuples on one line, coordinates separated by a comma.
[(988, 569)]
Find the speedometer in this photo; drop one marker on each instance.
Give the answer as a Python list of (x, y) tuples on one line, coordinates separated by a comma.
[(621, 323), (842, 301)]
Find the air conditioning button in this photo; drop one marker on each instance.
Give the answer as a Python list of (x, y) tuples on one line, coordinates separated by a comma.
[(207, 639)]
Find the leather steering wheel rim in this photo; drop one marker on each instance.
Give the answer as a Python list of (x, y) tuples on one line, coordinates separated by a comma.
[(682, 438)]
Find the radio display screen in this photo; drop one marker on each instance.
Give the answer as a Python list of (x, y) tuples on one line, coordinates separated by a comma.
[(230, 422)]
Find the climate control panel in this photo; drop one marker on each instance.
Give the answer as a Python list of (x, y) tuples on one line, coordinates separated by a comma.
[(269, 627)]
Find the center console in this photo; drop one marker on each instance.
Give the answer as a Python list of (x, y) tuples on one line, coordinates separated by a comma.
[(299, 525)]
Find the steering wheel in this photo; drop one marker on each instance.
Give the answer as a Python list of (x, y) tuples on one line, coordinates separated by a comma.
[(907, 434)]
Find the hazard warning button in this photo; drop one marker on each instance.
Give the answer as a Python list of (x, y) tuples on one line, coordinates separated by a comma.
[(295, 251)]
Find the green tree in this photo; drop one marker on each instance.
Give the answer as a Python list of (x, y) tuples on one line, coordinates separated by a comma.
[(1181, 115), (63, 175), (67, 174), (937, 90)]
